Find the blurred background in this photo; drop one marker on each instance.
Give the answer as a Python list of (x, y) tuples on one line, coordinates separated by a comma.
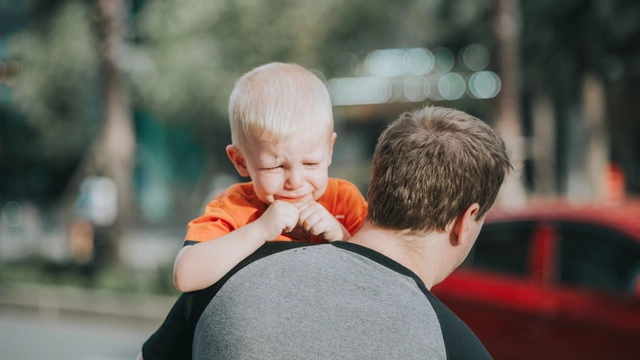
[(113, 125)]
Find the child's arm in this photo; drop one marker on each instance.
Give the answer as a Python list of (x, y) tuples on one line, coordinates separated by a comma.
[(201, 265), (317, 220)]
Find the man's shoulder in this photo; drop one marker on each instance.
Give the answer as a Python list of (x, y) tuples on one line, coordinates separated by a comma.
[(273, 247), (459, 339), (350, 293)]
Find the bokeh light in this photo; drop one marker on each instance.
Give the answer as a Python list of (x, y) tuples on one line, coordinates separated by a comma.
[(444, 60), (475, 57), (484, 85), (360, 91), (12, 214), (426, 87), (434, 91), (413, 89), (397, 92), (419, 61), (411, 75), (385, 62), (451, 86), (398, 62)]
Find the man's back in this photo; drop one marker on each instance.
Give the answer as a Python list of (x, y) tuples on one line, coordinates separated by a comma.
[(269, 316), (338, 300)]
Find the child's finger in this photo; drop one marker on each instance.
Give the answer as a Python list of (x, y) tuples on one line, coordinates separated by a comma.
[(309, 210), (292, 221), (319, 228), (310, 221)]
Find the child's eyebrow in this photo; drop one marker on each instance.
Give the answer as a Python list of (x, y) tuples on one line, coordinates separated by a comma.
[(268, 158), (269, 164)]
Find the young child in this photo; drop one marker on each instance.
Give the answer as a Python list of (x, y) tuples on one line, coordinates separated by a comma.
[(282, 138)]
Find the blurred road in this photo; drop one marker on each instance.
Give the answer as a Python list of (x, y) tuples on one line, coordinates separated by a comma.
[(66, 324), (33, 335)]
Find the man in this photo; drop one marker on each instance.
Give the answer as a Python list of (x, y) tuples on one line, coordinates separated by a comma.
[(436, 172)]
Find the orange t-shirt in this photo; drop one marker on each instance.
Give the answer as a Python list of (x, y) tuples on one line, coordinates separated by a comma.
[(239, 205)]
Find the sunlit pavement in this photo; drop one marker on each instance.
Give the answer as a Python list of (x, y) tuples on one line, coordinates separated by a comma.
[(26, 336), (57, 323), (66, 324)]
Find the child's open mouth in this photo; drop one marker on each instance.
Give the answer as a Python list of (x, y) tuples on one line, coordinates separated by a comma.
[(291, 199)]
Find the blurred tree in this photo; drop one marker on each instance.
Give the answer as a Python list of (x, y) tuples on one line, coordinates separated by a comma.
[(57, 95), (55, 92), (509, 118), (580, 54), (181, 59), (177, 61), (53, 101), (188, 54), (113, 151)]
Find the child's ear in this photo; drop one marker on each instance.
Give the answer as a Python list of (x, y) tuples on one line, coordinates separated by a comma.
[(236, 157), (331, 142)]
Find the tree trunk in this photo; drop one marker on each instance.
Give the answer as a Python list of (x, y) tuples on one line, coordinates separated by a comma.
[(544, 152), (508, 122), (112, 152), (597, 152), (115, 149)]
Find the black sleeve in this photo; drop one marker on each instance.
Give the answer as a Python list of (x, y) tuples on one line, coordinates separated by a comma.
[(172, 340), (459, 341)]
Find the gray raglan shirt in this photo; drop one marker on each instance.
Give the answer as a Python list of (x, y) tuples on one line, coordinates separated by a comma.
[(296, 301)]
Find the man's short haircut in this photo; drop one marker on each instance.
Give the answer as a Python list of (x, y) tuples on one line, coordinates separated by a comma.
[(430, 165), (276, 100)]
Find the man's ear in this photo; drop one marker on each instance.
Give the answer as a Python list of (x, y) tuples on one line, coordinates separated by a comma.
[(463, 224), (331, 142), (236, 157)]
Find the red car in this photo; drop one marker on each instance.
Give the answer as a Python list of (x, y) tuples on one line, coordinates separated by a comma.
[(553, 281)]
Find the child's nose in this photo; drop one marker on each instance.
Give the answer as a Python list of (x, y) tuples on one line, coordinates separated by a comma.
[(294, 180)]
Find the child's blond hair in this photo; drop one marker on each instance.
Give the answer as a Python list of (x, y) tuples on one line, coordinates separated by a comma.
[(277, 100)]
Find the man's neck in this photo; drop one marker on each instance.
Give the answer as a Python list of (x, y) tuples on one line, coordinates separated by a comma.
[(419, 254)]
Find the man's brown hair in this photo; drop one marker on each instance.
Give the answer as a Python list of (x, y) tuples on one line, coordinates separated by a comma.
[(430, 165)]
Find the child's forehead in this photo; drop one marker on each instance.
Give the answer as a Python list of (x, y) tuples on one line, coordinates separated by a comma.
[(310, 132), (298, 144)]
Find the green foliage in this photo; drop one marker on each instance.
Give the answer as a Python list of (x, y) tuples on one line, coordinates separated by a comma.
[(115, 279), (175, 68), (580, 36), (57, 90), (189, 53), (182, 57)]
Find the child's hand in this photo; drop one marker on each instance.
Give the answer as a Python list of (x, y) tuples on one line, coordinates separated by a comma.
[(280, 216), (317, 220)]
